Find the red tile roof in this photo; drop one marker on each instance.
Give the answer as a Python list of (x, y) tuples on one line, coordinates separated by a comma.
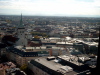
[(31, 44), (9, 39)]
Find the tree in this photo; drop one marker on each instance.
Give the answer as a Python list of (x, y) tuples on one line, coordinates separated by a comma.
[(37, 37), (23, 67)]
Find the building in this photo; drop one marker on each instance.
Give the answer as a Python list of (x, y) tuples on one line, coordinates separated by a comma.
[(91, 47), (76, 62), (49, 66), (61, 65), (21, 56), (5, 66), (21, 35), (15, 71)]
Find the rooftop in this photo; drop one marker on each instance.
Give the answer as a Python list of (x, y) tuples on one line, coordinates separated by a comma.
[(71, 58), (15, 71), (54, 65), (22, 52), (7, 65), (91, 43)]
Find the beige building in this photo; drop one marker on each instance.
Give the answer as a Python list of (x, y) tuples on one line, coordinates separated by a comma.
[(20, 59), (22, 55)]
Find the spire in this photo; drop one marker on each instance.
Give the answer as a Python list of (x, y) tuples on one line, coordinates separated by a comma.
[(21, 23), (21, 20)]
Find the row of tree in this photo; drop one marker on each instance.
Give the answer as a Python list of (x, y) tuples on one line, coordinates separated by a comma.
[(37, 34)]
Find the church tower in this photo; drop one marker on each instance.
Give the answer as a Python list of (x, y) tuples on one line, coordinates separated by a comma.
[(21, 34)]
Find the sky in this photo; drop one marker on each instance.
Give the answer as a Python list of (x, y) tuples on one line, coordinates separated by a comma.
[(87, 8)]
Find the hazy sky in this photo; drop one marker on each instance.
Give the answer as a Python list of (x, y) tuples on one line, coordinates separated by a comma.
[(51, 7)]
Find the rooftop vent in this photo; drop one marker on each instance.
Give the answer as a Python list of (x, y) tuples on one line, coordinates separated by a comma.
[(51, 58)]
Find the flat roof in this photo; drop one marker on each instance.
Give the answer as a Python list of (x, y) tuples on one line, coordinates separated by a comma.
[(42, 47), (52, 64), (91, 43), (7, 65), (68, 43), (49, 64), (69, 58)]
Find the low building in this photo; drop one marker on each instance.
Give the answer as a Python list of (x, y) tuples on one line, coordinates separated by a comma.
[(61, 65), (15, 71), (5, 66), (22, 55), (91, 47), (49, 66), (74, 62)]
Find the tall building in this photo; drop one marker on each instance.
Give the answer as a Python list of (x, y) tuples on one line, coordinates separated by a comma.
[(21, 34)]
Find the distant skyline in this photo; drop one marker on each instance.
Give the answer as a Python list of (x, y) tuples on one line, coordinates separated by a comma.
[(77, 8)]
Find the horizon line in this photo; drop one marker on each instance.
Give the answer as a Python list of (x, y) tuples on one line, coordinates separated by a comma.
[(97, 16)]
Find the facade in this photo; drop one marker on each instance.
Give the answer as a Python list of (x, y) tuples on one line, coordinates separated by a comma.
[(19, 56), (37, 71), (2, 51), (91, 47), (28, 36), (22, 38)]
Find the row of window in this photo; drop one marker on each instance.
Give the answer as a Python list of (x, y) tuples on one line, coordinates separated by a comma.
[(21, 31), (31, 55)]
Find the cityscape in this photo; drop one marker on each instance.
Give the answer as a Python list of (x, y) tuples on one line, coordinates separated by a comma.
[(49, 45), (46, 37)]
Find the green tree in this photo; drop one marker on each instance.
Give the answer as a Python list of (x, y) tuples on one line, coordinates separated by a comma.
[(23, 67)]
